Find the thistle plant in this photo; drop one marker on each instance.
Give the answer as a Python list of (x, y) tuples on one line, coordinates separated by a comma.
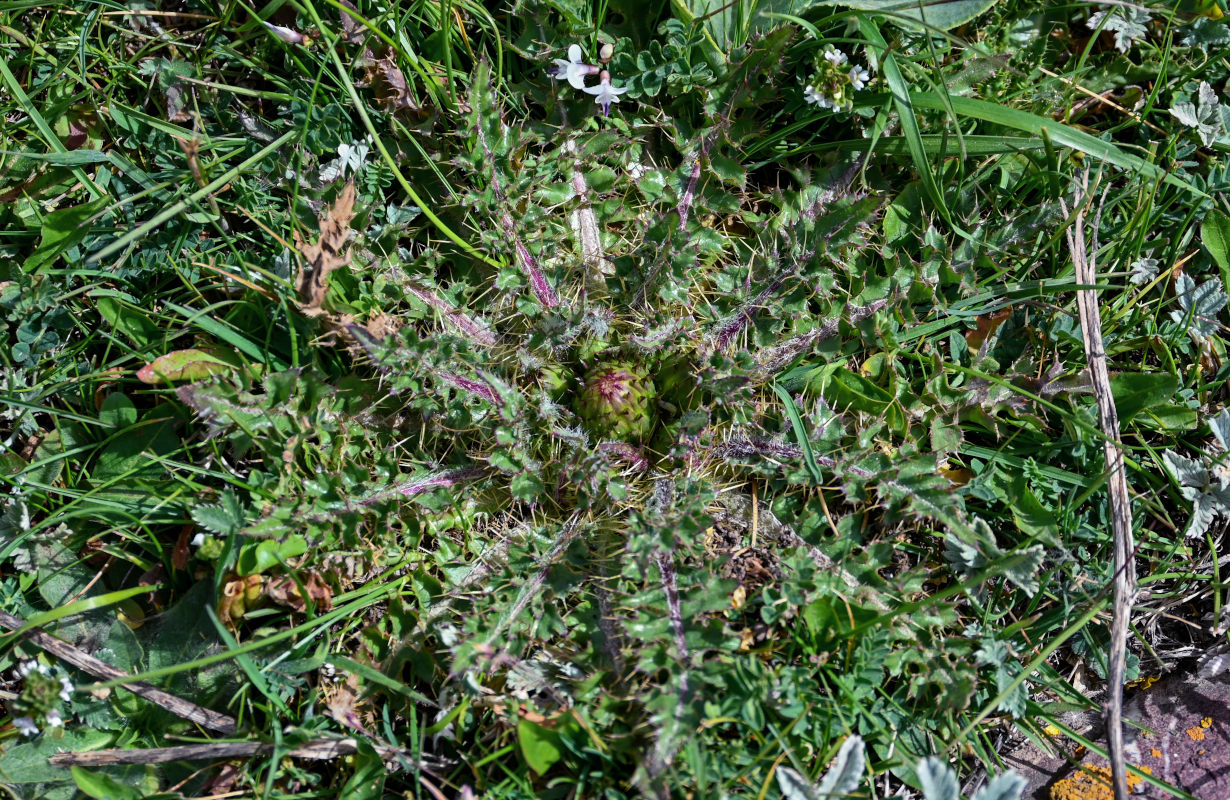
[(684, 452)]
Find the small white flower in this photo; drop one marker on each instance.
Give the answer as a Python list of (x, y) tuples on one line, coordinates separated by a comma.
[(66, 689), (26, 667), (285, 34), (574, 69), (26, 726), (834, 56), (1143, 270), (812, 96), (604, 93), (198, 540), (54, 719), (859, 77)]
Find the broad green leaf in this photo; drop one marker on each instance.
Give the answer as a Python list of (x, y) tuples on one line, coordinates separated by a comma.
[(1215, 236), (539, 746), (1136, 391), (256, 557), (1031, 516), (600, 179), (845, 389), (26, 763), (555, 193), (191, 364), (137, 447), (117, 411), (941, 14), (131, 322), (104, 787), (729, 170), (1170, 418), (63, 229), (526, 487), (73, 158)]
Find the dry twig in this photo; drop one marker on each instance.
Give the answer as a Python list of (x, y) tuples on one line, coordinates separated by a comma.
[(1084, 259)]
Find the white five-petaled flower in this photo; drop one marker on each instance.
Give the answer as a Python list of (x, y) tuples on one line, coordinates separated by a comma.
[(54, 719), (859, 77), (834, 56), (573, 68), (285, 34), (26, 726), (604, 93)]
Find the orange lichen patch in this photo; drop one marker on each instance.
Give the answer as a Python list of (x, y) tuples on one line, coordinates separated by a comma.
[(1156, 753), (1197, 734), (1091, 783)]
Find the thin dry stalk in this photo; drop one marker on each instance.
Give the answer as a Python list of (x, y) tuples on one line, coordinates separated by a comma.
[(585, 227), (1084, 260)]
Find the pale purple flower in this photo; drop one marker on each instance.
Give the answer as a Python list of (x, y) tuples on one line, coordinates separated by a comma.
[(285, 34), (66, 689), (26, 726), (604, 93), (54, 719), (574, 69)]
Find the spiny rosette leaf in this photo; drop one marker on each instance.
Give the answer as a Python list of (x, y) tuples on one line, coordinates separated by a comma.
[(617, 400)]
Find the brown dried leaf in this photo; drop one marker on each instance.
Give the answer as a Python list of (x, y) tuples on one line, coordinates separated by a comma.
[(285, 592), (180, 553), (325, 255), (388, 82), (353, 31)]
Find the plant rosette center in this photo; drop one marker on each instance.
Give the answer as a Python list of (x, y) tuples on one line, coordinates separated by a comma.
[(617, 400)]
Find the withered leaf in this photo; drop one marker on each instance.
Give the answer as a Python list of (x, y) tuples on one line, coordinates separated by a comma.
[(325, 255), (352, 29), (387, 81), (180, 553), (286, 592)]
